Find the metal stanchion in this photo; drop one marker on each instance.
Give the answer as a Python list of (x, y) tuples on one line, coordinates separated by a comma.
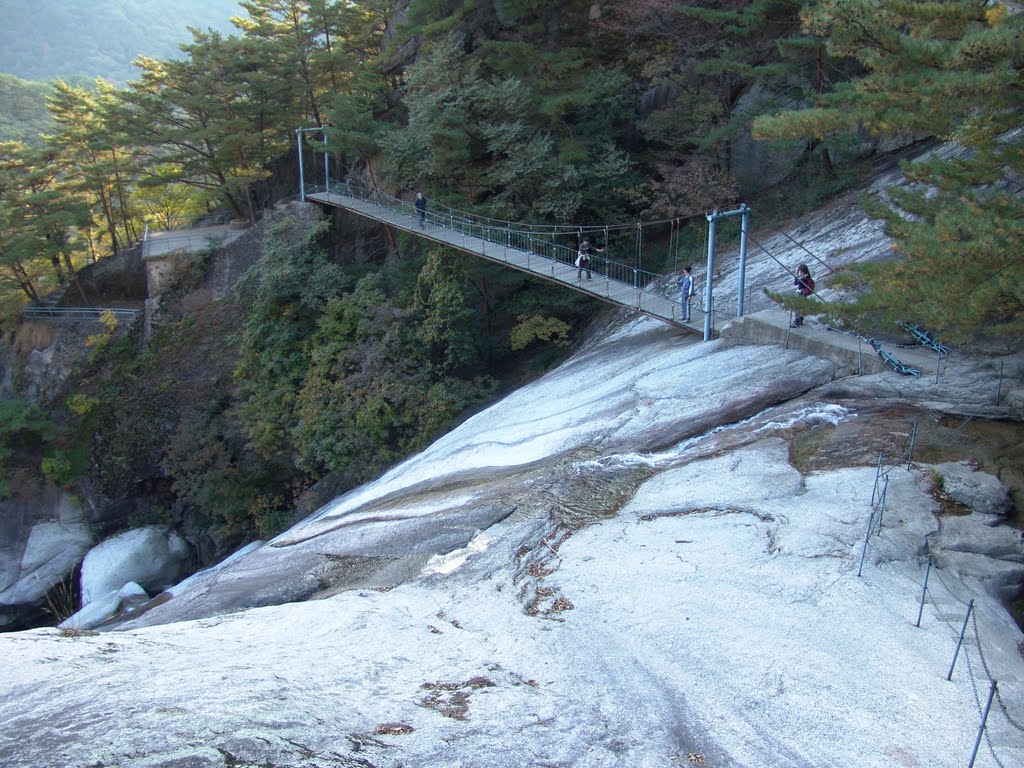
[(960, 642)]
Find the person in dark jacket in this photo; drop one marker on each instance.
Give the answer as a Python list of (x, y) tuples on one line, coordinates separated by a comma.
[(421, 209), (583, 258), (805, 287)]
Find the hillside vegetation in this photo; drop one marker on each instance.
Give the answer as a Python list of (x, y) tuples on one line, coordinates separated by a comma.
[(347, 357), (23, 113)]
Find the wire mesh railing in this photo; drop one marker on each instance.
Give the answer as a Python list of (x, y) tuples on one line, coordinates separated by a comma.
[(538, 240), (78, 314)]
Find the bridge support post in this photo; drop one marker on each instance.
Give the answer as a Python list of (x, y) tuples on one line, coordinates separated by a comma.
[(713, 217), (744, 224), (302, 177), (327, 171)]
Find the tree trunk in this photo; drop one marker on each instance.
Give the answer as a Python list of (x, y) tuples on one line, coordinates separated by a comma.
[(74, 277)]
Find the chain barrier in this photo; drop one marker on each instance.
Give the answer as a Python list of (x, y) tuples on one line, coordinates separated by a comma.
[(999, 699), (952, 597)]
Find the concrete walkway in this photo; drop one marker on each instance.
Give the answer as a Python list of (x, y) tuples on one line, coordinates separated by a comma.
[(771, 326), (188, 240)]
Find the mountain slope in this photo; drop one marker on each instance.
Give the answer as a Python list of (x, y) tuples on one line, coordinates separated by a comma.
[(100, 38), (636, 598)]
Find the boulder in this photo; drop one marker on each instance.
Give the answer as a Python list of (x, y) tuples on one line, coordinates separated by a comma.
[(41, 543), (979, 491), (758, 165), (100, 610), (976, 550), (153, 557), (52, 551), (1015, 402)]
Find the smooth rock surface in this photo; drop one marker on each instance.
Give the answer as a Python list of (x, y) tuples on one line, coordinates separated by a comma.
[(151, 556)]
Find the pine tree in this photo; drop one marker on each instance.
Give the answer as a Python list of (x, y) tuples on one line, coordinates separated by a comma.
[(216, 116), (42, 214), (949, 70), (95, 164)]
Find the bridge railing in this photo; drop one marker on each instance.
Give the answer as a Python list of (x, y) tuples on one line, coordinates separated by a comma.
[(534, 239), (77, 314)]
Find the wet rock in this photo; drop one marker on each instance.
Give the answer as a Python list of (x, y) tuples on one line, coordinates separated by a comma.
[(979, 491)]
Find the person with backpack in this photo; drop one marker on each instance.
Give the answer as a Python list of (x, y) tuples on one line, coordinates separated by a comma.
[(583, 258), (686, 292), (805, 287)]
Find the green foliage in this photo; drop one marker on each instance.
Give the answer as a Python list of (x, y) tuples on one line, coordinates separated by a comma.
[(537, 328), (283, 295), (447, 331), (81, 404), (22, 422), (24, 429), (100, 341), (375, 392), (57, 469), (96, 163), (232, 489), (23, 115), (537, 146), (164, 202)]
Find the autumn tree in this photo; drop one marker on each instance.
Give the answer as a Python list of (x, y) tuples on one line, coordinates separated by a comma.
[(42, 214), (22, 267)]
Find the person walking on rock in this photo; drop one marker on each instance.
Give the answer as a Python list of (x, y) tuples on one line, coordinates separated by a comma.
[(805, 287), (583, 258), (421, 209), (686, 292)]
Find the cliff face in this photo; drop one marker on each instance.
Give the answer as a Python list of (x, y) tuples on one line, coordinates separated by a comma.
[(663, 552), (46, 360), (655, 554)]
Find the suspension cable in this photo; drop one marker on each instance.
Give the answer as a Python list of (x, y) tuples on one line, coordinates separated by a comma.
[(804, 249), (787, 269)]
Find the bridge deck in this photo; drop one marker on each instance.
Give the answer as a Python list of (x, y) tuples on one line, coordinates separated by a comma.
[(645, 301)]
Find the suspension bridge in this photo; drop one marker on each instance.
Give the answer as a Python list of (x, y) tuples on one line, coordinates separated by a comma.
[(533, 249), (527, 249)]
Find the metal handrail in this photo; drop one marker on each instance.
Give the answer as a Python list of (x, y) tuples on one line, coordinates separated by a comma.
[(80, 313), (192, 221), (523, 238)]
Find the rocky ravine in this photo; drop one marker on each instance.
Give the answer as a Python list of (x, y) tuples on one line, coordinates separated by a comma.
[(649, 557)]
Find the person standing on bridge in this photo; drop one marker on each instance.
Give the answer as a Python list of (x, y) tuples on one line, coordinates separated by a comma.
[(421, 209), (583, 258), (685, 284)]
